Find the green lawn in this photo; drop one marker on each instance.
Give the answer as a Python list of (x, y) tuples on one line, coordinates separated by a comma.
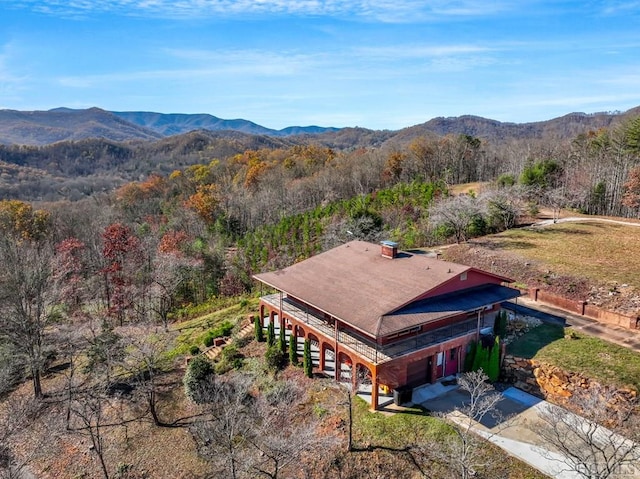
[(193, 331), (597, 359), (395, 430), (531, 343)]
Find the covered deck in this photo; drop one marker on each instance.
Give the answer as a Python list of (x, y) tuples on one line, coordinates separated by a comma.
[(354, 356), (375, 353)]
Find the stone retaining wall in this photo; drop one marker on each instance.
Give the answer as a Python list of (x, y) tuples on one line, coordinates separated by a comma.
[(546, 381)]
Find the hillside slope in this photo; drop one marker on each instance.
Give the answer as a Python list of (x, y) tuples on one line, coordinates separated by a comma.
[(46, 127)]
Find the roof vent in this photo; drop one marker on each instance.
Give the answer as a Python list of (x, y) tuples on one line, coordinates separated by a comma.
[(389, 249)]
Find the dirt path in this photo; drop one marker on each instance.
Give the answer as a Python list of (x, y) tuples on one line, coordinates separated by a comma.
[(569, 219)]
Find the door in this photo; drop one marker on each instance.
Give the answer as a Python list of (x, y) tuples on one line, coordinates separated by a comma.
[(419, 372), (452, 362), (440, 365)]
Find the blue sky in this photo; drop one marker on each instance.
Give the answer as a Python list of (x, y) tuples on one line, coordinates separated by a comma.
[(381, 64)]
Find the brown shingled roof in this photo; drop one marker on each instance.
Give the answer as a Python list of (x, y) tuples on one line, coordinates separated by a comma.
[(355, 284)]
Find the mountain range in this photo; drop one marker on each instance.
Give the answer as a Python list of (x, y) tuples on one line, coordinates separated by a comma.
[(64, 124)]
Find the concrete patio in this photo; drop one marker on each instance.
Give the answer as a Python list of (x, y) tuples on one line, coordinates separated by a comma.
[(514, 430)]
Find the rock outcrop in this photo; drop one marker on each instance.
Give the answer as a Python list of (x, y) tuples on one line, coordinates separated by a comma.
[(548, 381)]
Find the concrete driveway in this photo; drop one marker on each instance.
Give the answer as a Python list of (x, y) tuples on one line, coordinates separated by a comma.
[(515, 434)]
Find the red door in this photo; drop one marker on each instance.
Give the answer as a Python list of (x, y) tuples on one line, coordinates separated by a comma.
[(452, 362)]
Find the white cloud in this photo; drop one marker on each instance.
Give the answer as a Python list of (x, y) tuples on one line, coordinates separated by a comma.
[(379, 10), (205, 64), (421, 51), (615, 7)]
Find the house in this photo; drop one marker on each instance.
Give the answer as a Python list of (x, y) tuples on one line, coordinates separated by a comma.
[(391, 318)]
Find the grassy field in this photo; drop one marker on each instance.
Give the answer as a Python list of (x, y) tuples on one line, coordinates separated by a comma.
[(603, 252), (593, 357)]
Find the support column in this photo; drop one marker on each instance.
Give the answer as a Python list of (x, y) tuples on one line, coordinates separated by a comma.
[(322, 358), (354, 377), (336, 372), (374, 389)]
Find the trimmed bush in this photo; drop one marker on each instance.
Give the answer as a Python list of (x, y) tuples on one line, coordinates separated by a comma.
[(307, 363), (500, 325), (194, 350), (485, 356), (220, 331), (293, 350), (257, 324), (493, 368), (199, 375), (271, 333), (470, 357), (275, 359), (208, 340), (230, 358)]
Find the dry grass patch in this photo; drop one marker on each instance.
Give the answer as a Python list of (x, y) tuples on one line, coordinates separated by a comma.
[(467, 188), (598, 251)]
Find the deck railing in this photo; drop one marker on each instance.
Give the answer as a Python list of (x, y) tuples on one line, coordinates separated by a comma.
[(365, 347)]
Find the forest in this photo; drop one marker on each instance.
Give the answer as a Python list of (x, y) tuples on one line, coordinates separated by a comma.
[(97, 237)]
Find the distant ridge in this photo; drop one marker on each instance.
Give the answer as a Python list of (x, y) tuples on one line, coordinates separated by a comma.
[(567, 126), (176, 123), (65, 124)]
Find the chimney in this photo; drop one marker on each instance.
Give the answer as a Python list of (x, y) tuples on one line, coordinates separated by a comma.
[(389, 249)]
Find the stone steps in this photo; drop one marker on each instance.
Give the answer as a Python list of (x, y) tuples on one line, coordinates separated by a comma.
[(213, 352)]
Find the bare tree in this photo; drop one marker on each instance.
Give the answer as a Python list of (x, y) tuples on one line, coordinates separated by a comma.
[(93, 412), (504, 206), (462, 450), (11, 365), (169, 271), (251, 434), (88, 418), (279, 443), (145, 363), (27, 301), (556, 199), (16, 414), (223, 433), (603, 440), (455, 213)]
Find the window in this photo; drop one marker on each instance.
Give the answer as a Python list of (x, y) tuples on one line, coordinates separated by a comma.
[(463, 276), (452, 354)]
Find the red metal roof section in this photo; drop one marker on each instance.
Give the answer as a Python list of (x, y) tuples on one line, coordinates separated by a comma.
[(356, 284)]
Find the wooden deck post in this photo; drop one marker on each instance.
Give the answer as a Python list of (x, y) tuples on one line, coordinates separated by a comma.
[(322, 353), (374, 390)]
